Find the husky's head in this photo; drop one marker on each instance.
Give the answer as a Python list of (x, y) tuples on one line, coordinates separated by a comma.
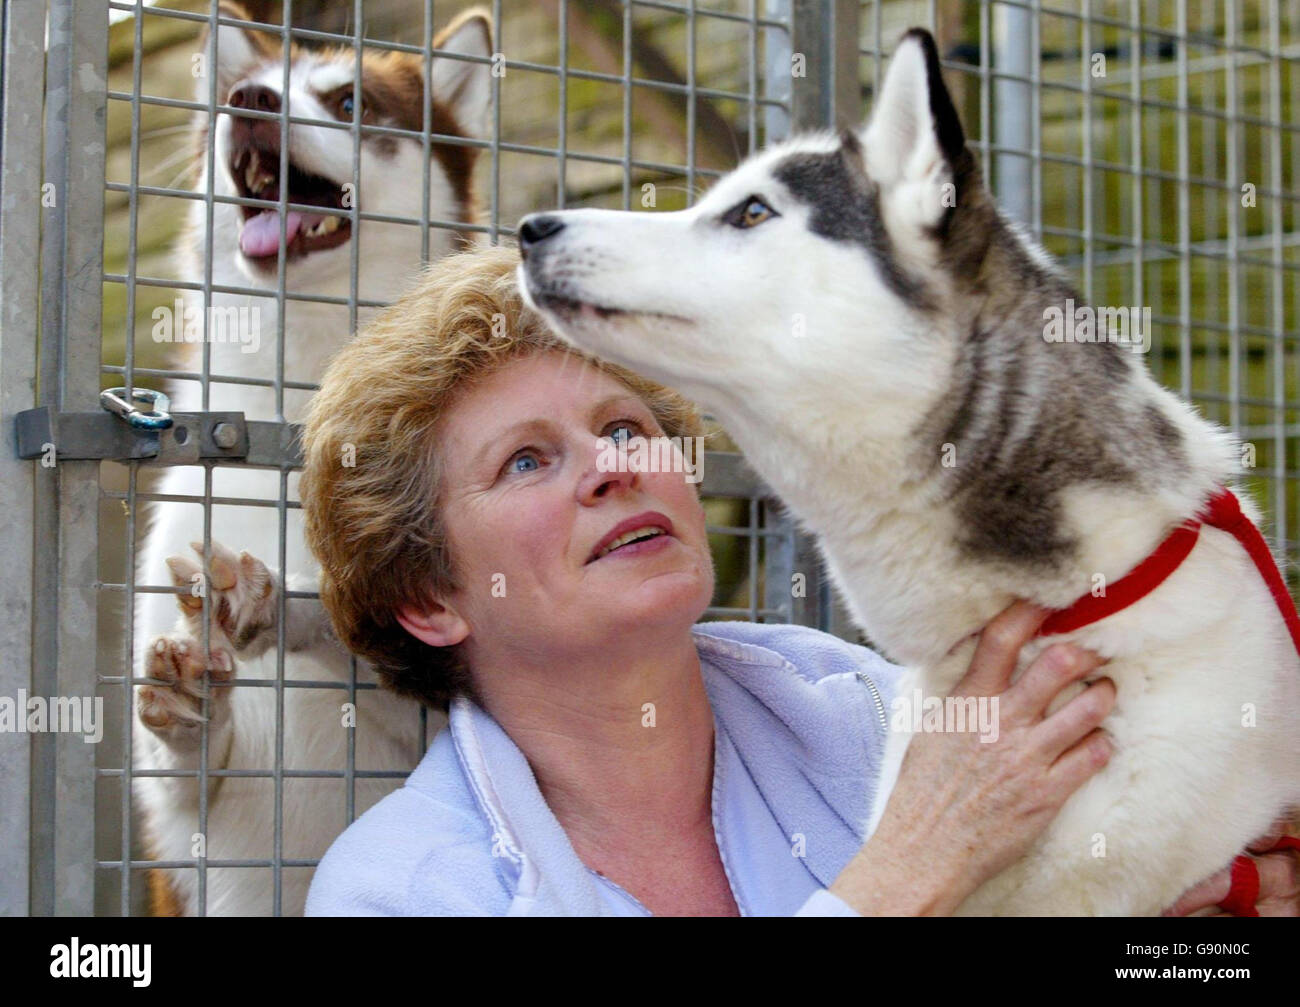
[(827, 258), (250, 75)]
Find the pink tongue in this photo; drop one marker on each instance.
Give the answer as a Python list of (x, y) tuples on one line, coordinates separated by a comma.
[(261, 234)]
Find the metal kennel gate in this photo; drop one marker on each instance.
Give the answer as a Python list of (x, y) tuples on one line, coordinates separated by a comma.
[(53, 594), (1143, 207)]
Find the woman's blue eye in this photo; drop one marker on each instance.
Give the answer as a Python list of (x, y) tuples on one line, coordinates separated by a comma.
[(523, 457), (629, 427)]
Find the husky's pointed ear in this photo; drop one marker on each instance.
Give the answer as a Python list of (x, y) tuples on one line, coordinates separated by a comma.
[(239, 51), (914, 139), (465, 87)]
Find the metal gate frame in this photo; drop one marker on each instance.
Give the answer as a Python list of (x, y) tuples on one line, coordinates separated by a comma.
[(49, 547), (53, 112)]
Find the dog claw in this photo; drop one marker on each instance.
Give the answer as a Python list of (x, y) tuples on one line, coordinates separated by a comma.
[(223, 573), (184, 572), (177, 662), (241, 593)]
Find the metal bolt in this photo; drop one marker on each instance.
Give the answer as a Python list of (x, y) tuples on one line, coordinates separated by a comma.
[(225, 435)]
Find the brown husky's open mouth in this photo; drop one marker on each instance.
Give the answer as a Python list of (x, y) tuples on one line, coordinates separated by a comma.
[(255, 169)]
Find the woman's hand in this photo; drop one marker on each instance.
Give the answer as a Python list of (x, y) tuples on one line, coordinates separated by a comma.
[(962, 809), (1279, 881)]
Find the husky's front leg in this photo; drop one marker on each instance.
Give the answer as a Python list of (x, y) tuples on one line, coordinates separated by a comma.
[(244, 601), (243, 598)]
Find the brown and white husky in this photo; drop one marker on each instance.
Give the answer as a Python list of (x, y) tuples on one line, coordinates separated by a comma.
[(239, 821)]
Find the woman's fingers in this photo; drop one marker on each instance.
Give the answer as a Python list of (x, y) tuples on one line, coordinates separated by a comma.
[(1069, 772), (1279, 883), (998, 650), (1049, 673), (1203, 894), (1075, 720)]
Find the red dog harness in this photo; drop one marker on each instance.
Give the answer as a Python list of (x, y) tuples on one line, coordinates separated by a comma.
[(1223, 511)]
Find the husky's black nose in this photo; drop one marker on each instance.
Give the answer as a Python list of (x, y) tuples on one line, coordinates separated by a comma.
[(536, 228)]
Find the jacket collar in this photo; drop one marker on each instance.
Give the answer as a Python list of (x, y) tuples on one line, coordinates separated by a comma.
[(807, 740), (805, 727)]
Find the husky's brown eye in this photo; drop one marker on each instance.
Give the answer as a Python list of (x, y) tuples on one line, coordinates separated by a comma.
[(749, 212)]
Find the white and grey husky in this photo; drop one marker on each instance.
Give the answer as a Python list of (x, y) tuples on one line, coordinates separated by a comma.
[(241, 823), (875, 336)]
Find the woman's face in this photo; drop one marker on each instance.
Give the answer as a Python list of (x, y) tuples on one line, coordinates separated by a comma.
[(526, 508)]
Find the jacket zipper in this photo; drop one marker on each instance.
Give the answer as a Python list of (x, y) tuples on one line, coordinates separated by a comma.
[(880, 703)]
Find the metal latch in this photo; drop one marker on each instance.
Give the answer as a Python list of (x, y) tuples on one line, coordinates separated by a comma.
[(139, 426), (128, 406)]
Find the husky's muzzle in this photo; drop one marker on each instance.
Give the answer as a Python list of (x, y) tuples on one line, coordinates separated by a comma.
[(255, 170)]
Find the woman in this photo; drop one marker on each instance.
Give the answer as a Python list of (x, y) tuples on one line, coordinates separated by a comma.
[(605, 754)]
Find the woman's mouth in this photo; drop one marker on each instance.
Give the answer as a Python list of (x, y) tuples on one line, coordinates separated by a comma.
[(645, 532), (634, 543)]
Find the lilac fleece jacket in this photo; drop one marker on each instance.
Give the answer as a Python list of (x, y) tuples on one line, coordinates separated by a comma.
[(799, 720)]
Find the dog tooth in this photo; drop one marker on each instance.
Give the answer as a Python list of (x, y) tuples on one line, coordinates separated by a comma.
[(327, 225)]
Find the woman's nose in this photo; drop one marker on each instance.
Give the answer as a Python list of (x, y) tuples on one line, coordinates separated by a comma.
[(606, 469)]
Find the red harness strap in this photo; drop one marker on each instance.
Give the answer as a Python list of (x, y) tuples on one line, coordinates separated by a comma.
[(1133, 586), (1222, 511), (1243, 893)]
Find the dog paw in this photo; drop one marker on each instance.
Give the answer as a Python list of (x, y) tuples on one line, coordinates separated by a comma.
[(243, 594), (175, 708)]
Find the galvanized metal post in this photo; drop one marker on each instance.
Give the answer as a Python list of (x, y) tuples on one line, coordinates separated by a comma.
[(815, 67), (778, 85), (844, 86), (22, 37), (1012, 49), (794, 575), (64, 596)]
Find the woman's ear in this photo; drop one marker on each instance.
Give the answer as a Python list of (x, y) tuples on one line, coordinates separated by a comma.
[(437, 625)]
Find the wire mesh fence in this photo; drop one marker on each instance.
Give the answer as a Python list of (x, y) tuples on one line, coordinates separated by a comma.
[(1150, 146)]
